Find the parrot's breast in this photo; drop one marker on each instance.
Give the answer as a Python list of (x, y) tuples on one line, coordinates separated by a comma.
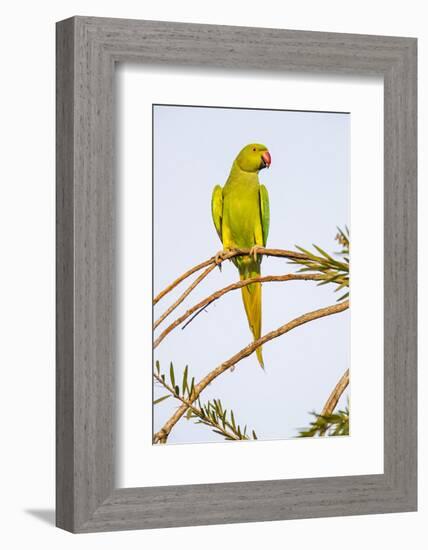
[(241, 213)]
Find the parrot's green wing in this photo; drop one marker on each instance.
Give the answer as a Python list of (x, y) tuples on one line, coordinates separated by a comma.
[(264, 209), (217, 209)]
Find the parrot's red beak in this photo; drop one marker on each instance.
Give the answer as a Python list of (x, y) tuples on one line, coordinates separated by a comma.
[(266, 159)]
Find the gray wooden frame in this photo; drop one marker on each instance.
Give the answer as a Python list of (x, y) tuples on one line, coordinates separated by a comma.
[(87, 50)]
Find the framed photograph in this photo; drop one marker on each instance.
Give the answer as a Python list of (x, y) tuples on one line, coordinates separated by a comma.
[(220, 192), (312, 152)]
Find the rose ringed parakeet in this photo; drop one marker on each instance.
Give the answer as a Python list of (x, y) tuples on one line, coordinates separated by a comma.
[(240, 212)]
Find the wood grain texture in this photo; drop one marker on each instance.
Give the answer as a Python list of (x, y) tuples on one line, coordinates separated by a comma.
[(64, 277), (87, 49)]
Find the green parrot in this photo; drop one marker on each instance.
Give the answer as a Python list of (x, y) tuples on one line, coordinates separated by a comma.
[(240, 212)]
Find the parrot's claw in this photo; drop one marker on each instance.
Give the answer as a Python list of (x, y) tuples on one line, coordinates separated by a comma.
[(254, 250), (219, 258)]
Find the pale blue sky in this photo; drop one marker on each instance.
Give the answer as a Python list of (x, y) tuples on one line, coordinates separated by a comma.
[(308, 186)]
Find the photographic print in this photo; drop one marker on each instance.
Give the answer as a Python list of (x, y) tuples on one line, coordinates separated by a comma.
[(251, 243)]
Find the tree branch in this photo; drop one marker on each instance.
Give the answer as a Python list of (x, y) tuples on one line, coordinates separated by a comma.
[(181, 279), (234, 286), (227, 255), (336, 394), (184, 295), (164, 432), (198, 413)]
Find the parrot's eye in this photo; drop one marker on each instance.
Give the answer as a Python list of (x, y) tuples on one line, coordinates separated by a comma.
[(254, 149)]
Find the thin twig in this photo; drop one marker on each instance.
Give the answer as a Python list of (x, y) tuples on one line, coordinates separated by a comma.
[(260, 279), (184, 295), (336, 394), (182, 278), (163, 433), (196, 411), (234, 286), (227, 255), (194, 316)]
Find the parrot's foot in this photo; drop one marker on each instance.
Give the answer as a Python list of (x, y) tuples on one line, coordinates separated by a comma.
[(254, 250), (220, 257)]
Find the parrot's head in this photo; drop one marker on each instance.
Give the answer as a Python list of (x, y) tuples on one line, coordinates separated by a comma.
[(253, 157)]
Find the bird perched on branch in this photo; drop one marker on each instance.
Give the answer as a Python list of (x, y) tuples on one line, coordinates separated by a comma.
[(240, 212)]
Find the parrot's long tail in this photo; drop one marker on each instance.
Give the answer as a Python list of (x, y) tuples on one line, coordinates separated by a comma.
[(252, 298)]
